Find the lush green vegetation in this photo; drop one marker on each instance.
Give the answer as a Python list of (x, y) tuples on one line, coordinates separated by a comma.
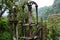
[(50, 14)]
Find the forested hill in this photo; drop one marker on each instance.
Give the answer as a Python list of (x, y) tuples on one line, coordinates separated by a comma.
[(54, 9), (42, 12)]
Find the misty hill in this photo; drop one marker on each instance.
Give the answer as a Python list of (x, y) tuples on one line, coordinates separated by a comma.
[(42, 12)]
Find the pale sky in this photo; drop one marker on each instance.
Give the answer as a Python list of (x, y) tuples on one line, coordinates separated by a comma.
[(42, 3)]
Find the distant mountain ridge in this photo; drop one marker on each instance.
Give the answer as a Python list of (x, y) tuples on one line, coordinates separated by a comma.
[(41, 11)]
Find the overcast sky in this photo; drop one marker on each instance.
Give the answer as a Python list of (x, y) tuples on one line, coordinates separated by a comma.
[(42, 3)]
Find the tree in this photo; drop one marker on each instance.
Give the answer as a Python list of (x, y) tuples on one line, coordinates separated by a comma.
[(53, 25), (9, 4)]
